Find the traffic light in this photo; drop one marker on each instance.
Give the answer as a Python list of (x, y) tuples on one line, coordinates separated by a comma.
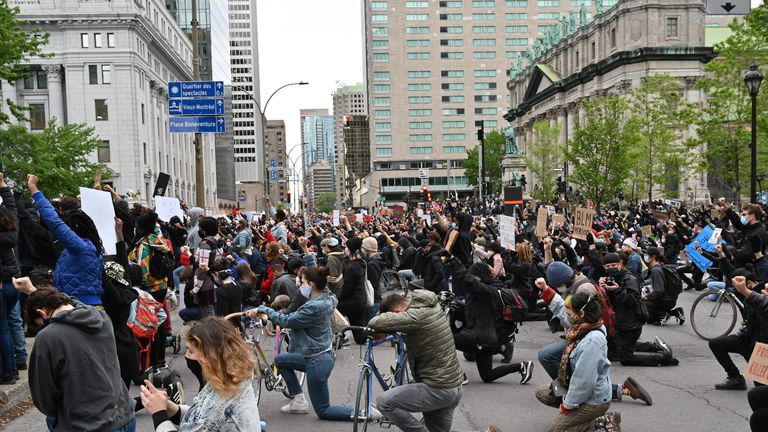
[(425, 195), (429, 196), (289, 196)]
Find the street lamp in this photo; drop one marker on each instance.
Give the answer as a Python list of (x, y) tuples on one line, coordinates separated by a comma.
[(753, 79)]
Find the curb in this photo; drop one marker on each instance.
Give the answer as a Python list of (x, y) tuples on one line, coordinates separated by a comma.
[(19, 392)]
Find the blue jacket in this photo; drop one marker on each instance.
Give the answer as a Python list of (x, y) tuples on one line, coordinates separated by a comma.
[(590, 380), (311, 324), (79, 267)]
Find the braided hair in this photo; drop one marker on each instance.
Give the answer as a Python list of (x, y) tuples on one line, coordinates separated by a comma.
[(83, 226)]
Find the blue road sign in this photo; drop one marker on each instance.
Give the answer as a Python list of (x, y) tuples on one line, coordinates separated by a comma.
[(273, 162), (274, 175), (197, 124), (196, 89), (195, 107)]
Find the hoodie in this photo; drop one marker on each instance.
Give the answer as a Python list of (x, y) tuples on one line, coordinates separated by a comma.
[(193, 238), (74, 374)]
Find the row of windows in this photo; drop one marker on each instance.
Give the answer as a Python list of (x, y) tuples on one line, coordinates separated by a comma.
[(385, 113), (416, 181), (85, 40)]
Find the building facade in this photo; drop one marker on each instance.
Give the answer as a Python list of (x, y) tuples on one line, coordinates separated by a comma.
[(225, 159), (278, 178), (357, 157), (319, 181), (110, 68), (212, 36), (347, 101), (609, 56)]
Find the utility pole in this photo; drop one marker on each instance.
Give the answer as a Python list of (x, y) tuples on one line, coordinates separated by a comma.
[(481, 159), (199, 166)]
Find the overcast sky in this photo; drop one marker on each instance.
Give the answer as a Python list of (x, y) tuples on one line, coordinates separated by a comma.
[(318, 41)]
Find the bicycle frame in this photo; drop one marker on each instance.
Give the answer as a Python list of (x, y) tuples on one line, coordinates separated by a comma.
[(719, 302)]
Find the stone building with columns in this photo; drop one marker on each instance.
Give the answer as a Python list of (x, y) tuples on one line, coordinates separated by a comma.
[(608, 55), (110, 67)]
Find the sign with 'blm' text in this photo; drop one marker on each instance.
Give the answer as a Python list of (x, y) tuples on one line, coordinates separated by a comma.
[(582, 223)]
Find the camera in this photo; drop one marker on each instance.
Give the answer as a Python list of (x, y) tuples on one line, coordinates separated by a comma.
[(609, 280)]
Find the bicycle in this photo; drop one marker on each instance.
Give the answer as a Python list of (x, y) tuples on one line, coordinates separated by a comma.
[(266, 371), (720, 319), (399, 374)]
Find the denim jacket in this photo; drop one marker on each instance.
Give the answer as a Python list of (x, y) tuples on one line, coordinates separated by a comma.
[(590, 381), (212, 412), (311, 324)]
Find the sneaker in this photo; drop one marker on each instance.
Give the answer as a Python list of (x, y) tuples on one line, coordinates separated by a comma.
[(636, 391), (610, 422), (175, 392), (464, 379), (493, 428), (4, 398), (735, 383), (375, 414), (7, 379), (663, 346), (526, 371), (295, 408), (21, 366), (679, 313)]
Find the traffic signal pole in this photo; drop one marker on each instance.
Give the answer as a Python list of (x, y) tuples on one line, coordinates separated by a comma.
[(481, 160), (199, 166)]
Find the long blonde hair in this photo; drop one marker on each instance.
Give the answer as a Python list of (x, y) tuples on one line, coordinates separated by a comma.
[(225, 358)]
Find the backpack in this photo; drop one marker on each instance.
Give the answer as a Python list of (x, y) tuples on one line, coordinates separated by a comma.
[(145, 324), (673, 284), (513, 307), (161, 264)]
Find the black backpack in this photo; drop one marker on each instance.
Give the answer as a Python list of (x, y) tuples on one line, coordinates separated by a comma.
[(673, 284), (161, 264), (513, 306)]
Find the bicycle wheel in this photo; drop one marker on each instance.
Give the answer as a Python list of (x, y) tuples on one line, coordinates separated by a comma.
[(302, 377), (713, 319), (362, 401)]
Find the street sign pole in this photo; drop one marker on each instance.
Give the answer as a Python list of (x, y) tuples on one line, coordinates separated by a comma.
[(199, 166)]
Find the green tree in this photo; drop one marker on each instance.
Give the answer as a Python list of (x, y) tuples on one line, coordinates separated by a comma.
[(546, 156), (663, 116), (16, 45), (326, 202), (494, 143), (59, 155), (602, 150)]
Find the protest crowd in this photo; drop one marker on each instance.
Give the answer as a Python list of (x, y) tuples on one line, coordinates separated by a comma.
[(99, 283)]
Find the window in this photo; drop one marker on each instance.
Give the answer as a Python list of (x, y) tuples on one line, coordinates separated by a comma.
[(452, 42), (381, 88), (106, 74), (380, 57), (453, 124), (378, 18), (594, 51), (103, 152), (84, 39), (419, 74), (454, 149), (516, 16), (418, 56), (613, 37), (37, 116), (416, 4), (421, 150), (516, 29), (485, 111), (381, 101), (516, 41), (102, 111), (545, 28), (417, 42), (483, 16), (42, 80), (417, 17), (483, 4), (380, 31), (485, 86), (484, 42), (419, 87), (419, 99), (514, 54), (420, 125), (482, 73), (380, 44), (110, 40), (452, 29), (383, 152), (671, 27), (548, 3), (452, 86), (420, 137), (382, 113), (142, 114), (383, 139), (548, 16), (452, 74), (383, 127), (451, 17), (489, 123), (483, 29), (454, 137), (381, 76), (578, 3), (453, 111), (453, 99), (452, 55), (576, 58), (93, 74), (485, 98), (450, 4), (484, 54), (97, 40), (417, 30), (379, 5), (516, 3), (419, 112)]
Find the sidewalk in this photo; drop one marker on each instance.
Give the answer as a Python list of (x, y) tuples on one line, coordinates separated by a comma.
[(17, 393)]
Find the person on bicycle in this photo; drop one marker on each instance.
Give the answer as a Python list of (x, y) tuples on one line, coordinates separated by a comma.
[(310, 350), (755, 329), (432, 355), (484, 331)]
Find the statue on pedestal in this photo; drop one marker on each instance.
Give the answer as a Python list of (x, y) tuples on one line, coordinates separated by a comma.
[(510, 143)]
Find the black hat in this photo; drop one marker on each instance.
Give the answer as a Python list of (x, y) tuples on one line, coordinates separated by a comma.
[(611, 258), (354, 244), (145, 224)]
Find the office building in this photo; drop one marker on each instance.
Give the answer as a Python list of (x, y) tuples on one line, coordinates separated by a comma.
[(319, 180), (212, 37), (357, 157), (347, 101), (318, 142), (110, 67), (225, 159), (276, 158)]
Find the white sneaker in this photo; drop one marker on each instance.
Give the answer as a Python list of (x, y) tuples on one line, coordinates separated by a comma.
[(375, 414), (295, 408)]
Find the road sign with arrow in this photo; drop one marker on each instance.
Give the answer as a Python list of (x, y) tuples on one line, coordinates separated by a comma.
[(728, 7)]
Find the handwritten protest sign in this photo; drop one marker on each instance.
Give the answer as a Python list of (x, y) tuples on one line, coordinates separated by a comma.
[(98, 205), (507, 231), (541, 222), (336, 217), (582, 223), (757, 368), (167, 207)]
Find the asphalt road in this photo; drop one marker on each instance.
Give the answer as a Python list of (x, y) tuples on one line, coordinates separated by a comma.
[(684, 396)]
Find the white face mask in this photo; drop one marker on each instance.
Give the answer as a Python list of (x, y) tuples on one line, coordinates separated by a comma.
[(305, 290)]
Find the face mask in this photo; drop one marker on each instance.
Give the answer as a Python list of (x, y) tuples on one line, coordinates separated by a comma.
[(454, 225), (744, 220), (612, 273), (305, 290), (646, 258)]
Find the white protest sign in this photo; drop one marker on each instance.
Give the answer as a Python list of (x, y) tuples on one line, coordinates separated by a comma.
[(507, 231), (427, 219), (98, 206), (359, 217), (715, 235), (336, 217), (167, 207), (419, 212)]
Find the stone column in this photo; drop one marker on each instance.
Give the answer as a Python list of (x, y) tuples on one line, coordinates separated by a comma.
[(55, 92)]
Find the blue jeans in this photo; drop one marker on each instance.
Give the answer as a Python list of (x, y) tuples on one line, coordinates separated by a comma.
[(714, 286), (10, 297), (128, 427), (16, 326), (370, 313), (317, 369), (404, 276)]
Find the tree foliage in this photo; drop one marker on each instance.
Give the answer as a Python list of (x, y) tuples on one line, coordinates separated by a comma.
[(545, 156), (603, 149), (494, 144), (16, 45), (59, 155), (326, 202)]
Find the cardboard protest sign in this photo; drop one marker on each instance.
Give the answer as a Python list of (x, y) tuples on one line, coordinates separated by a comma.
[(507, 231), (647, 230), (558, 221), (757, 368), (541, 222), (98, 206), (350, 216), (660, 215), (167, 207), (582, 223)]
